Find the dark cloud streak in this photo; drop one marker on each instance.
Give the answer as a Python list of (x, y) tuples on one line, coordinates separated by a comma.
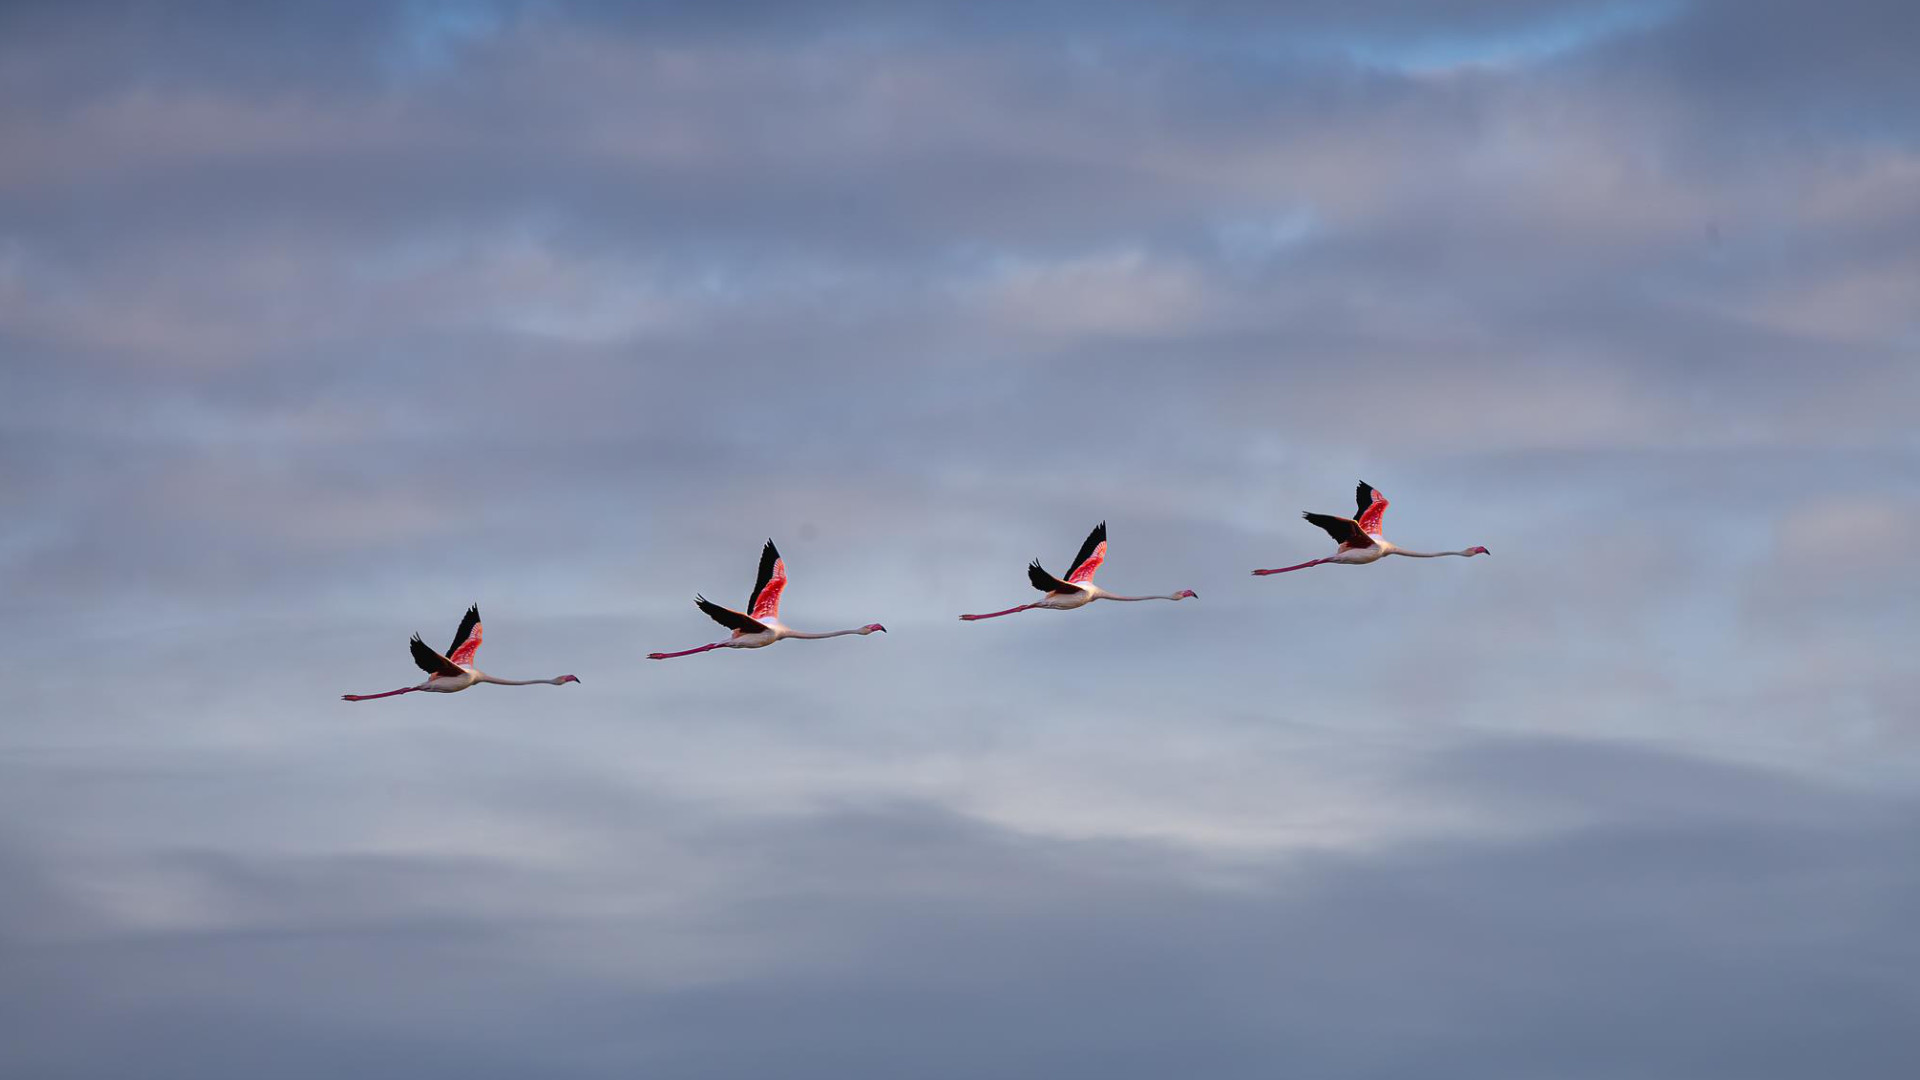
[(895, 937)]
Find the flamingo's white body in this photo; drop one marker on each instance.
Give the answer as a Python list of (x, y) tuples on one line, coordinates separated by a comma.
[(1359, 536), (1077, 588), (455, 671), (760, 625)]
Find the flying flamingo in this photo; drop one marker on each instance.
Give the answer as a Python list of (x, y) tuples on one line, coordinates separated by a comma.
[(454, 672), (761, 628), (1359, 536), (1078, 590)]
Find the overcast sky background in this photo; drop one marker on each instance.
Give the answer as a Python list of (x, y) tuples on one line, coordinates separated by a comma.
[(319, 322)]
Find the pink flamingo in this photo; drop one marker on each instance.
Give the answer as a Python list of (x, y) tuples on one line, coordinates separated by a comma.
[(454, 672), (1359, 536), (1078, 590), (761, 628)]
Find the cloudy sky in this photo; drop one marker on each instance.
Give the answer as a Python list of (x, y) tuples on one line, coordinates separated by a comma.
[(320, 322)]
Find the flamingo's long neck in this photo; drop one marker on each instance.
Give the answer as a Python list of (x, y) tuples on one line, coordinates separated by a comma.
[(1169, 596), (555, 681), (1465, 553), (816, 637)]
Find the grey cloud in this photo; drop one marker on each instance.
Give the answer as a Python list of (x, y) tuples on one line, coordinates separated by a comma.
[(316, 327), (1661, 937), (1805, 67)]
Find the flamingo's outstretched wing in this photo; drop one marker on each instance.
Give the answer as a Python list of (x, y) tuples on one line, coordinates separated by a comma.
[(1372, 508), (1046, 582), (1092, 554), (1345, 531), (729, 618), (764, 602), (432, 662), (466, 641)]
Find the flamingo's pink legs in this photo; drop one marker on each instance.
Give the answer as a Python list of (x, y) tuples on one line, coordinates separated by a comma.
[(997, 614), (685, 652), (370, 697), (1284, 569)]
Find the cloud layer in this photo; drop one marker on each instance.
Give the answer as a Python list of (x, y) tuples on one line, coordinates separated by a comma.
[(316, 326)]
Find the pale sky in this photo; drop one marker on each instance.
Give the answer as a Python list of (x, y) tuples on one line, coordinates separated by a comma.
[(320, 322)]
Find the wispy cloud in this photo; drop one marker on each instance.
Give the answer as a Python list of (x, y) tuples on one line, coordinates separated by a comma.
[(317, 325)]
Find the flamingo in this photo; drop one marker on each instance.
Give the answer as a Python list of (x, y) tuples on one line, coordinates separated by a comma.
[(1078, 590), (761, 628), (454, 672), (1359, 536)]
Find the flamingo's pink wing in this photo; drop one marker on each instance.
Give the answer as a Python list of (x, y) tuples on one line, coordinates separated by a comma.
[(1371, 514), (466, 642), (1084, 572), (1092, 553), (765, 601)]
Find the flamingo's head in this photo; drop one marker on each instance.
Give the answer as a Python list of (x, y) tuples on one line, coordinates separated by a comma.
[(1478, 551), (564, 679), (1185, 593), (871, 627)]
